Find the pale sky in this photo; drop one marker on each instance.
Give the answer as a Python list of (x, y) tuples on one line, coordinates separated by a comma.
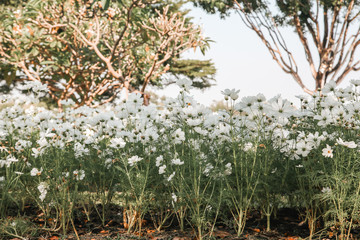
[(243, 62)]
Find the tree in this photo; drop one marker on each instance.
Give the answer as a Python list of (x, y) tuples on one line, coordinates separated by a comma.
[(13, 2), (331, 27), (91, 50), (201, 72)]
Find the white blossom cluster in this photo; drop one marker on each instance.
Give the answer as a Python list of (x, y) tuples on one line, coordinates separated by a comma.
[(296, 133)]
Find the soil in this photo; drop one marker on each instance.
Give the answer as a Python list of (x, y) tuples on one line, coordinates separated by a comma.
[(288, 225)]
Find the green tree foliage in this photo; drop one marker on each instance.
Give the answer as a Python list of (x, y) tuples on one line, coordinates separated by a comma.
[(201, 72), (328, 31), (12, 3), (215, 6), (91, 50)]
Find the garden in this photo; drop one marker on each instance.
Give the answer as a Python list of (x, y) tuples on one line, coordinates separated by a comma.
[(146, 170), (89, 150)]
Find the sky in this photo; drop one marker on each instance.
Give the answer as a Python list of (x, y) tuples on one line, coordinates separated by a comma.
[(243, 62)]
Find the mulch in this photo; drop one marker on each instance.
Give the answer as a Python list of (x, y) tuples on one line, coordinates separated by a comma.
[(288, 224)]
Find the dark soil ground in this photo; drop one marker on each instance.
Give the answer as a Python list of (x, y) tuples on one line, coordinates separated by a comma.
[(287, 225)]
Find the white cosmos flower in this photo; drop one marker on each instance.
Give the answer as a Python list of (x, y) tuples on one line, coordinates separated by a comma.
[(89, 132), (159, 160), (303, 148), (177, 162), (326, 190), (280, 107), (36, 172), (117, 143), (302, 97), (233, 94), (248, 146), (174, 197), (315, 139), (324, 117), (351, 144), (162, 169), (184, 83), (21, 144), (3, 148), (329, 87), (43, 187), (133, 160), (208, 168), (79, 174), (9, 160), (246, 103), (228, 169), (42, 142), (330, 102), (194, 122), (200, 131), (36, 152), (355, 82), (327, 152), (178, 136), (171, 177), (80, 149)]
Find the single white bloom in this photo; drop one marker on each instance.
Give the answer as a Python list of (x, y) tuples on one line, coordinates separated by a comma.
[(3, 148), (327, 152), (42, 142), (177, 162), (351, 144), (193, 122), (233, 94), (324, 117), (35, 172), (303, 148), (174, 197), (326, 190), (43, 187), (36, 152), (108, 162), (329, 87), (226, 93), (133, 160), (79, 174), (184, 83), (178, 136), (162, 169), (208, 168), (117, 143), (9, 160), (159, 160), (171, 177), (228, 169), (248, 146), (355, 82)]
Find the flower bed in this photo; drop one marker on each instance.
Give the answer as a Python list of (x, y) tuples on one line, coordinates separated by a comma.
[(184, 163)]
